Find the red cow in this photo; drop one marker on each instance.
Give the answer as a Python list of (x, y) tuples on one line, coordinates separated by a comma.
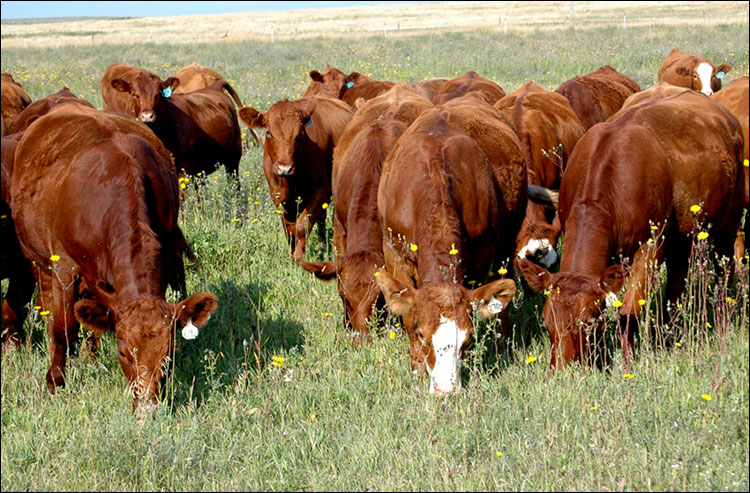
[(469, 82), (451, 199), (549, 129), (598, 95), (357, 232), (200, 128), (659, 90), (735, 98), (645, 168), (41, 107), (13, 100), (297, 160), (365, 91), (428, 87), (692, 71), (114, 100), (95, 202)]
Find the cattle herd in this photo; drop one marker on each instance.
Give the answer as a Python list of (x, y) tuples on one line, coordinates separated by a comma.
[(443, 191)]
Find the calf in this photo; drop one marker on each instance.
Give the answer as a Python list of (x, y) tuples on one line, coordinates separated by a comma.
[(692, 71), (451, 199), (297, 160), (95, 203), (548, 129), (467, 83), (357, 232), (200, 128), (645, 168), (597, 96)]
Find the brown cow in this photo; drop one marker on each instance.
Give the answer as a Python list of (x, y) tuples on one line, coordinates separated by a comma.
[(114, 100), (598, 95), (646, 168), (549, 129), (451, 199), (357, 233), (297, 160), (196, 76), (467, 83), (95, 202), (42, 106), (200, 128), (13, 100), (692, 71), (365, 92), (735, 98), (428, 87)]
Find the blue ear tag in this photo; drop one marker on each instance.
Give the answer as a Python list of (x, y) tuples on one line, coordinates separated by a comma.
[(720, 75), (167, 92), (349, 84), (309, 122)]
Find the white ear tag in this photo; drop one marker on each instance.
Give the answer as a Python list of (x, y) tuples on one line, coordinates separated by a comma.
[(495, 306), (190, 331)]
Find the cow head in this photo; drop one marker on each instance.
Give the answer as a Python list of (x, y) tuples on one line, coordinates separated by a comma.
[(536, 241), (356, 287), (574, 311), (332, 79), (146, 91), (286, 123), (705, 76), (144, 336), (438, 319)]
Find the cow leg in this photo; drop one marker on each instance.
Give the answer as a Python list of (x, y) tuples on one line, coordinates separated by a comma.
[(62, 326), (15, 305)]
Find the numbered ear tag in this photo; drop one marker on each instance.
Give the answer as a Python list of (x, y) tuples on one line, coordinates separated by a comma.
[(349, 84), (190, 331), (167, 92), (495, 306), (720, 75), (309, 123)]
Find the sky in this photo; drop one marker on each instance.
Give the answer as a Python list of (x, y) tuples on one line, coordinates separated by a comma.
[(26, 10)]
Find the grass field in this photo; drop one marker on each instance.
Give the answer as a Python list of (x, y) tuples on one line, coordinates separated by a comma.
[(329, 417)]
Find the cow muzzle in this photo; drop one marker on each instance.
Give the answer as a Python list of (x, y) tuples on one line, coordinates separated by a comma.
[(147, 116), (283, 168)]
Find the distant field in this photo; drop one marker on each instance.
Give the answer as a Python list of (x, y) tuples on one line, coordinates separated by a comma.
[(396, 20), (334, 418)]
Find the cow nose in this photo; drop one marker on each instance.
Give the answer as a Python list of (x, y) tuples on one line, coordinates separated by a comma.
[(707, 91), (147, 116), (283, 168)]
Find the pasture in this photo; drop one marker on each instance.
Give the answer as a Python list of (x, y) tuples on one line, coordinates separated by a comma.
[(272, 396)]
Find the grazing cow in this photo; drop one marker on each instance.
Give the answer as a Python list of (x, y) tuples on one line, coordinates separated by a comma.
[(428, 87), (114, 100), (659, 90), (95, 201), (549, 129), (41, 107), (297, 160), (692, 71), (13, 100), (196, 76), (469, 82), (646, 168), (451, 200), (200, 127), (357, 232), (598, 95), (317, 89)]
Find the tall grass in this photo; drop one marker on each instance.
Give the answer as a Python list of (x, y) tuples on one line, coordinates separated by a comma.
[(322, 415)]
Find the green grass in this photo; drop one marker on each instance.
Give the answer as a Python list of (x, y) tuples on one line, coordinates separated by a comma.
[(358, 419)]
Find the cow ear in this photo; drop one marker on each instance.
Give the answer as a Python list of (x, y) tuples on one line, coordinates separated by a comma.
[(252, 117), (724, 67), (308, 108), (120, 85), (399, 296), (537, 277), (613, 278), (172, 83), (95, 317), (316, 76), (684, 71), (325, 271), (197, 309), (494, 297)]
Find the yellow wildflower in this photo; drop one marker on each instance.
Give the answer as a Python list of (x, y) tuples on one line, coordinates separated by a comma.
[(702, 235), (530, 360), (695, 209), (54, 258), (629, 375), (325, 205), (392, 335), (617, 303), (641, 302), (502, 272), (499, 454), (453, 249), (44, 313), (706, 397), (413, 247)]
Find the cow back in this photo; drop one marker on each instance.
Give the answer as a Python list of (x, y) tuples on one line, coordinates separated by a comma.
[(465, 84)]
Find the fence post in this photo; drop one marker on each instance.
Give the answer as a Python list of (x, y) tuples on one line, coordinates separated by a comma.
[(384, 30), (271, 34), (624, 21), (572, 15)]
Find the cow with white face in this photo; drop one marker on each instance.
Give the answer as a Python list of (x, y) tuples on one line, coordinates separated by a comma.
[(696, 72)]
